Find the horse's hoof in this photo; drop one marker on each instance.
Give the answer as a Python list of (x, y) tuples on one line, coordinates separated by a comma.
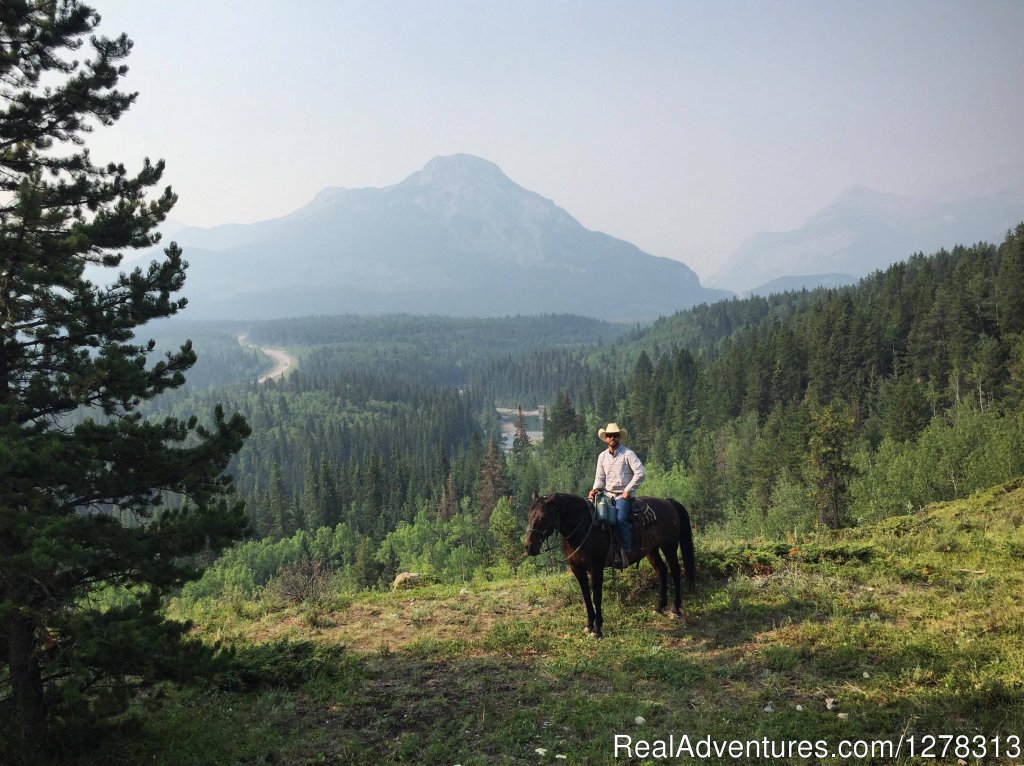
[(592, 634)]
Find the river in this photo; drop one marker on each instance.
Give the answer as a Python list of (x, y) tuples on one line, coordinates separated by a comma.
[(534, 425)]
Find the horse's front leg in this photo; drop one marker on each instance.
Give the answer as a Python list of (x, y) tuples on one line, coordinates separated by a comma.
[(597, 576), (580, 573)]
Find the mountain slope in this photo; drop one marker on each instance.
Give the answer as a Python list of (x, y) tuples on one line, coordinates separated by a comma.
[(903, 630), (457, 237), (804, 282), (864, 231)]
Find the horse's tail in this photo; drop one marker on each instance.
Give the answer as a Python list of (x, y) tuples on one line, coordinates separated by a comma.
[(686, 544)]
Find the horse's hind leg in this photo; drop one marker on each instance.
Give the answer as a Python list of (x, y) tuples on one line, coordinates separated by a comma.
[(581, 576), (673, 565), (659, 566)]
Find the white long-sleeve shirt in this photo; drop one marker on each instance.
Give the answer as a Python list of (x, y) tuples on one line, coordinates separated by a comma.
[(618, 472)]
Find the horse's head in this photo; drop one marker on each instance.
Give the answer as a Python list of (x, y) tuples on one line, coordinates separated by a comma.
[(542, 521)]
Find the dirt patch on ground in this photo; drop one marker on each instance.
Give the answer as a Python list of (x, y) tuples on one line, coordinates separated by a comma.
[(370, 627), (391, 625)]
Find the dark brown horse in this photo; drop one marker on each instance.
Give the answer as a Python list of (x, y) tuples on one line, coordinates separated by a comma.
[(586, 543)]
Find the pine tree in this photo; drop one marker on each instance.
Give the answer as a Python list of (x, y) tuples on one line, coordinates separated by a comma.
[(830, 465), (492, 484), (442, 465), (278, 508), (1009, 289), (641, 405), (108, 499), (708, 489), (563, 420), (506, 534), (311, 500), (904, 407), (364, 569), (375, 476), (521, 439), (448, 506), (330, 499)]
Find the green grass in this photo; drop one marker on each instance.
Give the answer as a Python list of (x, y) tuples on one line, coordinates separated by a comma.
[(911, 626)]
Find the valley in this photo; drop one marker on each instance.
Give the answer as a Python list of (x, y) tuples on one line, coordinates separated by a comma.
[(857, 508)]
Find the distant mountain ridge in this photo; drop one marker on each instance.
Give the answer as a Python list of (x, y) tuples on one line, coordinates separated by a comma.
[(457, 237), (866, 230), (808, 282)]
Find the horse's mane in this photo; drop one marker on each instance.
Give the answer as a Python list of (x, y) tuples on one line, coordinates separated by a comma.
[(570, 506), (566, 497)]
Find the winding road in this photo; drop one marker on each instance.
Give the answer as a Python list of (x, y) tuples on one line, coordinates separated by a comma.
[(283, 361)]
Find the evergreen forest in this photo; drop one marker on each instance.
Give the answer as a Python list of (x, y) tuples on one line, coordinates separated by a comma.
[(768, 417)]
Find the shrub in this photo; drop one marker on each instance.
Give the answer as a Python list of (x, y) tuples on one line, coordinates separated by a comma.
[(308, 580)]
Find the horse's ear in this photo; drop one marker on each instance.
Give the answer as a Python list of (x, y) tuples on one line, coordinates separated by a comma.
[(535, 496)]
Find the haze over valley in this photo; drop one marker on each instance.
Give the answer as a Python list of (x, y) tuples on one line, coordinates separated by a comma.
[(460, 238), (457, 237)]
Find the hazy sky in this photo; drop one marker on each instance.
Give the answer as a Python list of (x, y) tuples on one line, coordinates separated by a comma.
[(683, 127)]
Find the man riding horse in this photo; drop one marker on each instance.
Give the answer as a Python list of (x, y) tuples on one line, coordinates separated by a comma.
[(619, 473)]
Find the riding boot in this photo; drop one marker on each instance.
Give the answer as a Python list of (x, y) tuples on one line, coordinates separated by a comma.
[(626, 542)]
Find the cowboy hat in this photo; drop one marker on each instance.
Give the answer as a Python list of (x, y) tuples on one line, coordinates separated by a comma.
[(612, 428)]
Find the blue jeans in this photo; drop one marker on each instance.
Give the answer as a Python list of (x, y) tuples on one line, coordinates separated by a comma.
[(623, 524)]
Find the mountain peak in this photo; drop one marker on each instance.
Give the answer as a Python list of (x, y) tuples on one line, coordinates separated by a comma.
[(458, 170), (457, 236), (859, 193), (885, 205)]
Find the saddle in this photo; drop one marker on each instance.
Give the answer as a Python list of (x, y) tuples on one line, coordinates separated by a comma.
[(639, 512), (641, 515)]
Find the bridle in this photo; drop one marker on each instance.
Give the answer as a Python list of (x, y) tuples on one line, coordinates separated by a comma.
[(558, 526)]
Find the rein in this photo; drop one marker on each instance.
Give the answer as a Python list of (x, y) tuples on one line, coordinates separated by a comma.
[(558, 526)]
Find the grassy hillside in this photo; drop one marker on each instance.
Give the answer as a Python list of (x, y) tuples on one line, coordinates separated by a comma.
[(908, 628)]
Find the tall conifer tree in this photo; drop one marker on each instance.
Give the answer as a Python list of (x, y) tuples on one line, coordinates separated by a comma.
[(330, 500), (830, 465), (521, 439), (1009, 290), (492, 483), (311, 499), (448, 506), (82, 499)]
